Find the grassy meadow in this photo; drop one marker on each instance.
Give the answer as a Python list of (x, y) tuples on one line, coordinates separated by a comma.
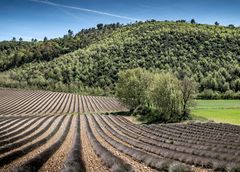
[(226, 111)]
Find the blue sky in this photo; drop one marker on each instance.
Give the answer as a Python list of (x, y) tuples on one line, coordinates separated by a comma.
[(38, 18)]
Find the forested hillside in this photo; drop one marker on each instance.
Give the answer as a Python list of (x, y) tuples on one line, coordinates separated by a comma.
[(16, 53), (208, 54)]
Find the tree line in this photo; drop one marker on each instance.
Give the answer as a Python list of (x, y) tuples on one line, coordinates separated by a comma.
[(209, 55)]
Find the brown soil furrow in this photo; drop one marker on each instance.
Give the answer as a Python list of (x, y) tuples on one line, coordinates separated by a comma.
[(55, 163), (20, 161), (18, 134), (136, 165), (30, 135), (20, 126), (92, 161)]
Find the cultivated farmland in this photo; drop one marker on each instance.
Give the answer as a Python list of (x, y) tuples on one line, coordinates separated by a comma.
[(47, 131), (14, 102)]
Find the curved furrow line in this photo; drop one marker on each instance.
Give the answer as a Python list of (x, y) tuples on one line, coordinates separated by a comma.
[(166, 152), (111, 161), (96, 105), (218, 127), (74, 161), (91, 106), (150, 160), (173, 139), (22, 105), (4, 119), (146, 138), (136, 166), (206, 134), (101, 106), (72, 104), (20, 140), (11, 123), (20, 129), (174, 135), (69, 104), (17, 126), (48, 106), (36, 103), (17, 108), (7, 159), (76, 108), (87, 104), (55, 108), (4, 93), (79, 105), (37, 162), (44, 103), (193, 138), (104, 102), (82, 104), (7, 121), (20, 97), (86, 108), (113, 104), (64, 106)]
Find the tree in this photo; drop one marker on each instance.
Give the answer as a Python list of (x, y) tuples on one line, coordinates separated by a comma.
[(45, 39), (14, 39), (225, 87), (166, 95), (231, 26), (237, 85), (193, 21), (132, 87), (216, 23), (181, 21), (20, 39), (70, 33), (188, 89), (100, 26)]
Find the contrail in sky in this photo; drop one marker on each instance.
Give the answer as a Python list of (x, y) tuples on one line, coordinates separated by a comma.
[(85, 9)]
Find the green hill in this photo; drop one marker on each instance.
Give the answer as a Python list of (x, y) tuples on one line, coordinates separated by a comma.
[(209, 54), (16, 53)]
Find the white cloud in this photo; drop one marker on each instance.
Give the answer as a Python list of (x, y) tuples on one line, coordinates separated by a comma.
[(86, 10)]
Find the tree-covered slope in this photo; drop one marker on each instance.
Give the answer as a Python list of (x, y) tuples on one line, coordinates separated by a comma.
[(16, 53), (209, 54)]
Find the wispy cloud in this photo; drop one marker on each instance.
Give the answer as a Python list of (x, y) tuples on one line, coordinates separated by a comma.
[(85, 9)]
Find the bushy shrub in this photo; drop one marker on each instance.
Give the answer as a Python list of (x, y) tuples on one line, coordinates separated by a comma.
[(166, 95), (132, 87), (155, 96)]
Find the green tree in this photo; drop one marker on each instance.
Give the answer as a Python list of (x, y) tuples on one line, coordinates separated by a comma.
[(70, 33), (166, 95), (193, 21), (188, 90), (45, 39), (132, 87), (100, 26)]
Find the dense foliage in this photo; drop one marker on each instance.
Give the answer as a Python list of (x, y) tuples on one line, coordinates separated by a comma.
[(16, 53), (208, 54), (155, 96)]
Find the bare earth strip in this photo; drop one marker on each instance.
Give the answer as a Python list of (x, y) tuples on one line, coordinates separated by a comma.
[(92, 161), (22, 160), (136, 165), (55, 163)]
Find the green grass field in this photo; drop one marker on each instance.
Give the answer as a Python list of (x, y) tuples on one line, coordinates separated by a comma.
[(226, 111)]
